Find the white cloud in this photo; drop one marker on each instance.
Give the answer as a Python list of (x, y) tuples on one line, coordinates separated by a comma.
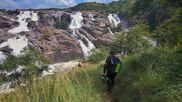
[(13, 4), (8, 4), (61, 2)]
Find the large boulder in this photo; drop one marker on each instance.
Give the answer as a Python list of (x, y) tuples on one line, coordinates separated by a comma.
[(55, 44), (7, 23)]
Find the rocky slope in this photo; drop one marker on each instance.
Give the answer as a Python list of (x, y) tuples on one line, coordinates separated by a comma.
[(57, 43)]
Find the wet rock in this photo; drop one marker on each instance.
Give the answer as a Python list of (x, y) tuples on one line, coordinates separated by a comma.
[(6, 49), (32, 24), (66, 17), (6, 22)]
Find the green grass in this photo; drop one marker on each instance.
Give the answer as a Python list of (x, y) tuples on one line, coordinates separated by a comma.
[(151, 76), (80, 85)]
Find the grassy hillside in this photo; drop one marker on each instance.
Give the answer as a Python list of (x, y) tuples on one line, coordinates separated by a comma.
[(90, 6), (151, 76), (80, 85)]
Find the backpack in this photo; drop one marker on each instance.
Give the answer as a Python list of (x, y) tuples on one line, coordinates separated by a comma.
[(116, 63)]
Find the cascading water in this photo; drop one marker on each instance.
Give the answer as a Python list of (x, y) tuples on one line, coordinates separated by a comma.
[(2, 57), (16, 44), (76, 23), (113, 18), (91, 17), (22, 17), (110, 31)]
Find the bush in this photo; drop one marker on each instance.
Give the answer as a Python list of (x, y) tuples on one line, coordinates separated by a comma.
[(168, 34), (80, 85), (151, 77), (28, 61), (61, 24), (133, 42), (98, 55)]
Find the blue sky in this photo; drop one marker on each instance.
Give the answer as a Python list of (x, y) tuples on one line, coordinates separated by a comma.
[(15, 4)]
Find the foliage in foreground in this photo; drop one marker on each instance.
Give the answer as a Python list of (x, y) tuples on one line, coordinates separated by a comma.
[(152, 76), (32, 61), (80, 85), (133, 41), (98, 55)]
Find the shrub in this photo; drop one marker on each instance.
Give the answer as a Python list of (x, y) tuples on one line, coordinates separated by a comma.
[(61, 24), (151, 76), (28, 61), (98, 55), (80, 85), (133, 42)]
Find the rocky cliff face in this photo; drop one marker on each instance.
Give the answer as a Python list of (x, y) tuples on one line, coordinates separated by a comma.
[(51, 34)]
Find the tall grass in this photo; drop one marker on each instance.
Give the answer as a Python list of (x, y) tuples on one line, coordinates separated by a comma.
[(80, 85), (146, 77)]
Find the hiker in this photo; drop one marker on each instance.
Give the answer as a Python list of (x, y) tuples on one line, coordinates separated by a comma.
[(110, 69)]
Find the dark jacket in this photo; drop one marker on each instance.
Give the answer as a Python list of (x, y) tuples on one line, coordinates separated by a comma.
[(110, 65)]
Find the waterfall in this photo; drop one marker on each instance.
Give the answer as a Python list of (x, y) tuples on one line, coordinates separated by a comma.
[(76, 23), (110, 31), (17, 44), (2, 57), (91, 17), (113, 18), (22, 19)]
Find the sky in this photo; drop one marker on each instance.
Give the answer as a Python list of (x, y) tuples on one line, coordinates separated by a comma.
[(25, 4)]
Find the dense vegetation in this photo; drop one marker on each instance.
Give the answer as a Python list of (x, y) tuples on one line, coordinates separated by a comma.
[(150, 73), (61, 24), (32, 61), (80, 85), (90, 6), (153, 74)]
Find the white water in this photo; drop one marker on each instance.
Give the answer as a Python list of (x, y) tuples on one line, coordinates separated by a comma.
[(91, 17), (16, 70), (5, 88), (22, 17), (110, 31), (76, 23), (65, 66), (2, 57), (53, 68), (17, 45), (113, 18)]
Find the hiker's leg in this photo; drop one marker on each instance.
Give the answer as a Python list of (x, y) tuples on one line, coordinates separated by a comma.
[(109, 80), (112, 79)]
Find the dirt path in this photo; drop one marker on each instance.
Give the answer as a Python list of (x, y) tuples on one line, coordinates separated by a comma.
[(110, 97)]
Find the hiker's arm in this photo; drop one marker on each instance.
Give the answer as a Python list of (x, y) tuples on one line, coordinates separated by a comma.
[(106, 65)]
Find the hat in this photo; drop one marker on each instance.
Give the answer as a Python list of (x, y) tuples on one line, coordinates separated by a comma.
[(112, 52)]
